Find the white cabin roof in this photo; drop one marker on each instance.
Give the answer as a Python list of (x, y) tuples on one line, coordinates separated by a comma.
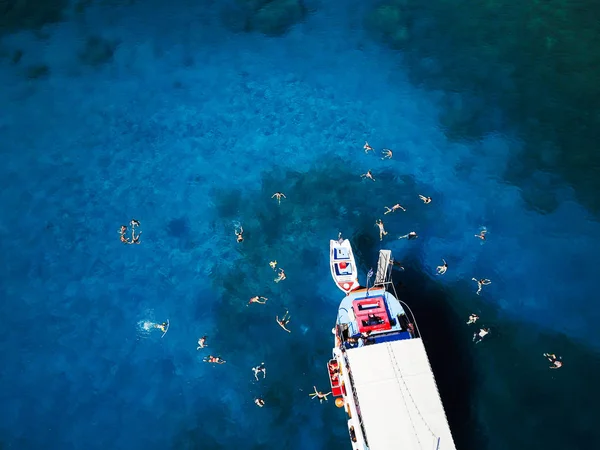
[(398, 397)]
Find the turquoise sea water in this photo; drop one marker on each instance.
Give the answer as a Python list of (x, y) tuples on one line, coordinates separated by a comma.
[(163, 112)]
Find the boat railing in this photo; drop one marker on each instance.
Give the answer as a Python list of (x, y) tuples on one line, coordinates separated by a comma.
[(355, 395), (414, 319)]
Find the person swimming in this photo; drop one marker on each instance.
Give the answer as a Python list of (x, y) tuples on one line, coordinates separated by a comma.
[(318, 394), (213, 359), (472, 319), (260, 369), (426, 200), (259, 402), (368, 148), (281, 276), (124, 239), (273, 265), (257, 299), (202, 342), (239, 234), (481, 283), (134, 223), (410, 236), (387, 153), (278, 195), (162, 326), (123, 230), (396, 207), (478, 337), (382, 232), (135, 239), (481, 234), (555, 360), (441, 270), (368, 175), (284, 321)]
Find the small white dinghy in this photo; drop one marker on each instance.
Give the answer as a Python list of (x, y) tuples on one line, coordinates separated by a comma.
[(343, 267)]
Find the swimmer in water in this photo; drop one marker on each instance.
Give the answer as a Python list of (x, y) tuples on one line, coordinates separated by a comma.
[(368, 148), (281, 276), (239, 234), (273, 264), (426, 200), (260, 369), (135, 239), (396, 207), (481, 234), (124, 240), (382, 232), (472, 319), (259, 402), (258, 299), (213, 359), (123, 230), (556, 361), (134, 223), (284, 321), (387, 153), (278, 195), (478, 337), (368, 175), (318, 394), (441, 270), (202, 342), (161, 326), (481, 283), (410, 236)]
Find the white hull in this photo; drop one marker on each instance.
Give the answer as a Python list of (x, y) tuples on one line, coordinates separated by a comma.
[(343, 267)]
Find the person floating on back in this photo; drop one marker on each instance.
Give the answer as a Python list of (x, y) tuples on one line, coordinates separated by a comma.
[(368, 175), (556, 361), (260, 369), (239, 234), (441, 270), (478, 337), (394, 208), (214, 359), (426, 200), (284, 321), (481, 234), (368, 148), (382, 232), (480, 283), (387, 153), (278, 195), (201, 342), (410, 236), (259, 402), (257, 299), (318, 394)]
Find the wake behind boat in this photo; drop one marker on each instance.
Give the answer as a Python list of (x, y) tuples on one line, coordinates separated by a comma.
[(343, 267), (380, 373)]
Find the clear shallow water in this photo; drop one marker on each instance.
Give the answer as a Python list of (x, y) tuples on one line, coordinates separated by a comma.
[(190, 129)]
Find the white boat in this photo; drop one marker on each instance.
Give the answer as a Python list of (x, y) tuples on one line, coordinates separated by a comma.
[(343, 267), (380, 373)]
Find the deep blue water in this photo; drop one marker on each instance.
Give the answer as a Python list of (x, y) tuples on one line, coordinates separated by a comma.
[(168, 116)]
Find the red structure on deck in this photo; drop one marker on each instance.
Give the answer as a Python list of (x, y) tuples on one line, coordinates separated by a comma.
[(371, 314), (334, 378)]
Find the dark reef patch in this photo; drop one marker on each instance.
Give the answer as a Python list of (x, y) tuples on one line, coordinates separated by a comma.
[(270, 17), (98, 51), (16, 15)]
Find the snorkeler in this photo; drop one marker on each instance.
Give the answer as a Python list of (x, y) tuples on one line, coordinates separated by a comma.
[(162, 326), (387, 153), (426, 200), (318, 394), (478, 337), (214, 359), (368, 175), (472, 319), (441, 270), (382, 231), (481, 234), (410, 236), (278, 195), (273, 264), (367, 147), (281, 276), (556, 361), (259, 369), (284, 321), (134, 223), (239, 234), (396, 207), (202, 342), (259, 402), (258, 299), (481, 283)]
